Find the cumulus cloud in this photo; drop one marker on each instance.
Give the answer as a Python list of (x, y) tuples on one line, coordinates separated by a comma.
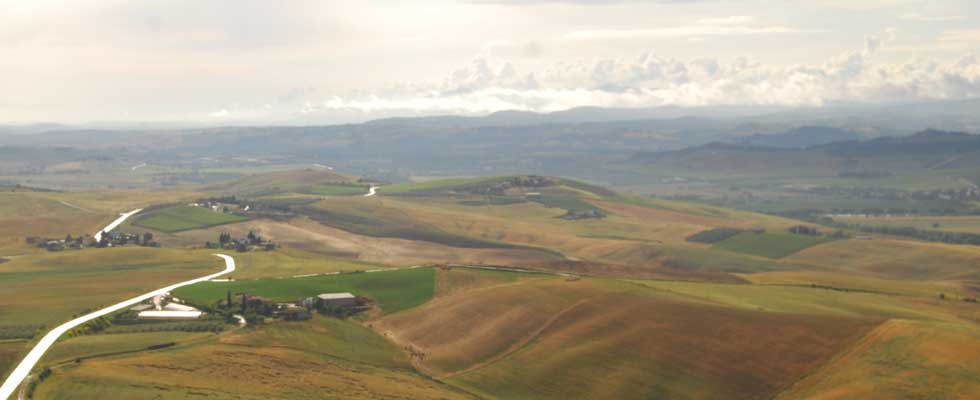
[(713, 26), (650, 80), (222, 113), (930, 18)]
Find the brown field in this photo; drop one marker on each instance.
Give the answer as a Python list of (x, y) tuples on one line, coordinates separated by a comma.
[(306, 235), (894, 259), (322, 358), (236, 372), (10, 353), (900, 360), (50, 288), (553, 339), (456, 280)]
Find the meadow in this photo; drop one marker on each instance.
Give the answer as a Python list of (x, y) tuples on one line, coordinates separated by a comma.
[(392, 291), (182, 218), (771, 245), (339, 190)]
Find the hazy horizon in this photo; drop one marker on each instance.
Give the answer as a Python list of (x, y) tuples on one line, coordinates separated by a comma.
[(250, 62)]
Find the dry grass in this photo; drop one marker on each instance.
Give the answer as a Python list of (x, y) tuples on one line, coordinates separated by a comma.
[(49, 288), (901, 360), (323, 358), (595, 339), (894, 259)]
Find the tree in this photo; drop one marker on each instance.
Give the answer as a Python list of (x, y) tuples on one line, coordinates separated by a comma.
[(228, 302), (243, 303), (147, 237), (251, 236), (224, 238), (68, 238)]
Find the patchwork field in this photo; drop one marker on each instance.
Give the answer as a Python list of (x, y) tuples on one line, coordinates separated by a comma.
[(637, 311)]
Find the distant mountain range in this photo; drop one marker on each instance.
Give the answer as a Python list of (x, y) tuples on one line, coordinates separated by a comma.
[(599, 144), (801, 137), (954, 153)]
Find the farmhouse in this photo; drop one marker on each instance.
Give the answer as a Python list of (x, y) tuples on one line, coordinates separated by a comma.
[(335, 300)]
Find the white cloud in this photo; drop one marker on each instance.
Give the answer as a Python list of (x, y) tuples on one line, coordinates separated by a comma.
[(222, 113), (930, 18), (679, 31), (960, 35), (650, 80)]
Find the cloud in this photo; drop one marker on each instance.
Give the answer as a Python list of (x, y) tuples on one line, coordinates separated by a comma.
[(714, 26), (960, 35), (926, 18), (650, 80)]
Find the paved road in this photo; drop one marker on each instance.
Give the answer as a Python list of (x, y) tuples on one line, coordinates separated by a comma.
[(372, 191), (114, 224), (27, 364)]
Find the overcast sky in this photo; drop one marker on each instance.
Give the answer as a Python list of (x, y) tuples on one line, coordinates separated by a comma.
[(245, 61)]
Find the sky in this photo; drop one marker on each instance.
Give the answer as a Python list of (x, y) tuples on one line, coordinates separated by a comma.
[(301, 62)]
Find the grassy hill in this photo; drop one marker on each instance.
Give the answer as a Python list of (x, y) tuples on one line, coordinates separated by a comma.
[(644, 297)]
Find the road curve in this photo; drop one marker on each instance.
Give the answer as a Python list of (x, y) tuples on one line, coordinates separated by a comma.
[(372, 191), (114, 224), (27, 364)]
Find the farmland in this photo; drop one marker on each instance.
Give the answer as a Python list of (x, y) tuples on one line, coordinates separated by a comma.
[(339, 190), (392, 290), (771, 245), (182, 218), (965, 224), (664, 298)]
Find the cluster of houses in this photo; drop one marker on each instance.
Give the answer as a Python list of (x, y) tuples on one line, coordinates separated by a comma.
[(68, 242), (251, 241), (226, 204), (111, 239), (301, 310)]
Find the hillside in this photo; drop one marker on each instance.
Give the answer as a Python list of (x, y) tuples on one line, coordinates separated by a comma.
[(911, 155), (596, 294)]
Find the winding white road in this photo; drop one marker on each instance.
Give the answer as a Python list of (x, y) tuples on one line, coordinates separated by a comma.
[(24, 368), (114, 224), (372, 191)]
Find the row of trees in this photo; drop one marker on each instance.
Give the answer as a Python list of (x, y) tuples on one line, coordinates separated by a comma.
[(905, 231)]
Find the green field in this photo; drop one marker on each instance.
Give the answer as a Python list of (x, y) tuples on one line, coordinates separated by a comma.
[(965, 224), (182, 218), (339, 190), (393, 291), (435, 186), (771, 245)]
